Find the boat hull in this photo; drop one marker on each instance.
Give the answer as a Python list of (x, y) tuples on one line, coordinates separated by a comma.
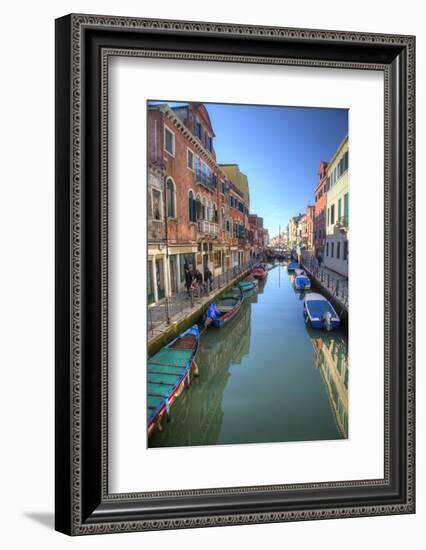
[(167, 377), (315, 310)]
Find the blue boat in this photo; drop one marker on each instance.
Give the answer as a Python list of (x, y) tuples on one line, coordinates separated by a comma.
[(302, 282), (168, 372), (319, 313), (226, 308), (292, 266)]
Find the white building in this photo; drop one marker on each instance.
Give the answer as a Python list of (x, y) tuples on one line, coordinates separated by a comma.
[(336, 254)]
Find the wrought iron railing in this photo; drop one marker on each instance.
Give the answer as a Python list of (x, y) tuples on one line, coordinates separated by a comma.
[(170, 308), (335, 284)]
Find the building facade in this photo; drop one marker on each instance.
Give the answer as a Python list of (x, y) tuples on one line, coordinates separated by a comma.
[(337, 211), (320, 211), (310, 227), (196, 214)]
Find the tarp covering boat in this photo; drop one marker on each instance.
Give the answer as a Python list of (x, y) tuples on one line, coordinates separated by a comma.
[(167, 372), (319, 312), (302, 282), (292, 266)]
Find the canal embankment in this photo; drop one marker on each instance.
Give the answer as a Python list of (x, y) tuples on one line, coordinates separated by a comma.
[(191, 310)]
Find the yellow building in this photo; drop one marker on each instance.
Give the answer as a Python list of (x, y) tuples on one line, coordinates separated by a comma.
[(239, 179), (337, 212)]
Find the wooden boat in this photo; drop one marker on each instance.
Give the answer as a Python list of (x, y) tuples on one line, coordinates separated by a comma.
[(259, 272), (225, 309), (247, 286), (168, 372), (302, 282), (319, 313), (292, 266)]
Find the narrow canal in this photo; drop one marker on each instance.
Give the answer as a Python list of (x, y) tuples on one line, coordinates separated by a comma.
[(264, 377)]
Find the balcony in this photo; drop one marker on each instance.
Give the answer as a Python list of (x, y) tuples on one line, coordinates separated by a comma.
[(207, 229), (342, 224), (209, 181)]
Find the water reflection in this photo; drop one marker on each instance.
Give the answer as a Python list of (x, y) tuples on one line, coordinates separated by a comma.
[(265, 377), (332, 361)]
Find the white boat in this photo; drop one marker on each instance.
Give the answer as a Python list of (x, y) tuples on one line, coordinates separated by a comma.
[(319, 313)]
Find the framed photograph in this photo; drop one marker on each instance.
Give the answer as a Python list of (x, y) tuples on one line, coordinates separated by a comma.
[(223, 355)]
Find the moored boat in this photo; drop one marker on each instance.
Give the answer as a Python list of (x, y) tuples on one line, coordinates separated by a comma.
[(259, 272), (319, 313), (302, 282), (292, 266), (168, 371), (225, 309), (247, 286)]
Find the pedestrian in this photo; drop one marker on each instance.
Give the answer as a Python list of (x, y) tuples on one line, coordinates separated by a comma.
[(188, 278), (197, 282), (208, 278)]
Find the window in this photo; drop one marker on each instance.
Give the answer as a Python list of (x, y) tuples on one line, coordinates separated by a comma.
[(338, 251), (215, 214), (332, 250), (327, 184), (190, 159), (227, 226), (339, 209), (195, 125), (328, 216), (346, 161), (223, 187), (169, 141), (346, 208), (170, 198), (332, 214), (200, 131), (192, 214), (222, 213), (326, 249), (207, 139), (345, 250), (156, 204), (198, 211)]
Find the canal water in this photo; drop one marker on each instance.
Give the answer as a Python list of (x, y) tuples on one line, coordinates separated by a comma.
[(264, 377)]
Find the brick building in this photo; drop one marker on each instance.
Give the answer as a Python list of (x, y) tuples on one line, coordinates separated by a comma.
[(196, 214), (320, 211)]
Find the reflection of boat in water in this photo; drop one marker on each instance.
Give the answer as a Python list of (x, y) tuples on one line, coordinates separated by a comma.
[(167, 372), (198, 415), (330, 356)]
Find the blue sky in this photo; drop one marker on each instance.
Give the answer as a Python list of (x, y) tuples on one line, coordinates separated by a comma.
[(279, 149)]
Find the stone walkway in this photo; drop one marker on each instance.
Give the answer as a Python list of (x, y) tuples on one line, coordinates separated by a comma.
[(171, 309)]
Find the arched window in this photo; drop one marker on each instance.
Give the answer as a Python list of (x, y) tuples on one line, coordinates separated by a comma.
[(203, 209), (198, 210), (223, 218), (192, 214), (215, 214), (171, 198)]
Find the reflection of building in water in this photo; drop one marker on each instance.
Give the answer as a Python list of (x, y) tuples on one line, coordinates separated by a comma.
[(197, 415), (331, 358)]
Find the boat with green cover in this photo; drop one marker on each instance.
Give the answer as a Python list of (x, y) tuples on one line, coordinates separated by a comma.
[(168, 371)]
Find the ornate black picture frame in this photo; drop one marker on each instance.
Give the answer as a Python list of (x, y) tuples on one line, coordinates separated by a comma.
[(83, 45)]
